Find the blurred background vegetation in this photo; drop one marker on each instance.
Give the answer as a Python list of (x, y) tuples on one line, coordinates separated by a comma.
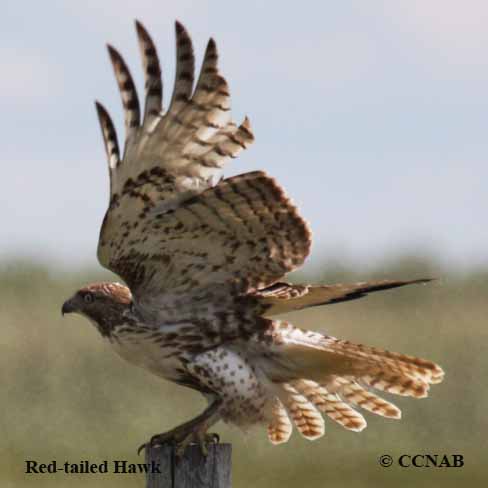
[(65, 396)]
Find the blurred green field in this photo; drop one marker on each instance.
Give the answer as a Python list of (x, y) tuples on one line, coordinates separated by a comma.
[(65, 396)]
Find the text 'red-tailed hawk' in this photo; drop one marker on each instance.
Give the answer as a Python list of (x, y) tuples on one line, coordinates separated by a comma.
[(203, 259)]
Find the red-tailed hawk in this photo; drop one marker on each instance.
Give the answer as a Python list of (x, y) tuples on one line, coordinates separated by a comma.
[(203, 257)]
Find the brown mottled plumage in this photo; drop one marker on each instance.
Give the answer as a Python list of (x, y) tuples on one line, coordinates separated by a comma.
[(203, 258)]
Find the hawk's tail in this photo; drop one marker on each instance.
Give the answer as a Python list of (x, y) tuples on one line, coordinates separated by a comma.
[(316, 375)]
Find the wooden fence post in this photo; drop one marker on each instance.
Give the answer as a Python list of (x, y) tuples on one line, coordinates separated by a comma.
[(193, 470)]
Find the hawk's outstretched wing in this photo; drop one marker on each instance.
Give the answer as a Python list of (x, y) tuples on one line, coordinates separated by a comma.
[(170, 227), (286, 297)]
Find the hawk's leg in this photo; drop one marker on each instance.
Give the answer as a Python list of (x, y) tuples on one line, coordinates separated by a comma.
[(194, 430)]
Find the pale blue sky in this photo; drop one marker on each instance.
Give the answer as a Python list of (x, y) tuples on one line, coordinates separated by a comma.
[(373, 115)]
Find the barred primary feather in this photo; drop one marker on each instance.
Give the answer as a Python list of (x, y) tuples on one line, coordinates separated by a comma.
[(152, 74), (128, 93), (109, 136), (286, 297), (185, 70)]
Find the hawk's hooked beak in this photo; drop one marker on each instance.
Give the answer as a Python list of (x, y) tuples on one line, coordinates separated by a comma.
[(67, 307)]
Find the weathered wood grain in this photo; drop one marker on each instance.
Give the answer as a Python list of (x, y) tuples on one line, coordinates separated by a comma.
[(193, 469)]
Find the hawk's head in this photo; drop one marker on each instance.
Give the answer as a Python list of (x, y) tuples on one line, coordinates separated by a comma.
[(105, 304)]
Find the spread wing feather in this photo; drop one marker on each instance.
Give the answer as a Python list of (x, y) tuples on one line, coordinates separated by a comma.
[(170, 227), (109, 137), (153, 85), (191, 141), (285, 297), (243, 234), (128, 94)]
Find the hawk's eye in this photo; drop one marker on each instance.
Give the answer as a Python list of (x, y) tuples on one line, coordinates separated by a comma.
[(88, 297)]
